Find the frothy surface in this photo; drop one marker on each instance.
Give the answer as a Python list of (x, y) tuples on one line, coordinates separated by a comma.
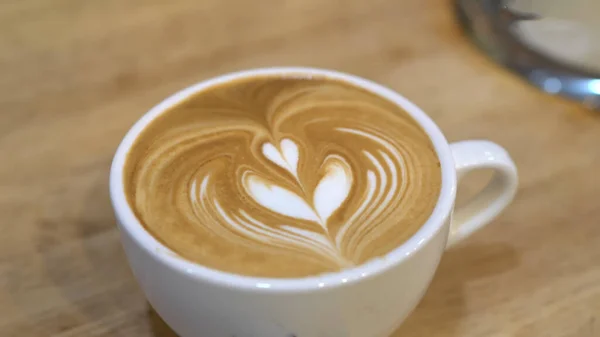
[(282, 177)]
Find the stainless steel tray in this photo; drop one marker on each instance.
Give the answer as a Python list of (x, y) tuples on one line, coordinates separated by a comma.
[(490, 23)]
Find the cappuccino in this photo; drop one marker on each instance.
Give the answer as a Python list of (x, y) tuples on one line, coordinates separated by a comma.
[(282, 176)]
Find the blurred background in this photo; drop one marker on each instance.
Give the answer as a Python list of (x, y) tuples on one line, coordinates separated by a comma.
[(76, 74), (553, 44)]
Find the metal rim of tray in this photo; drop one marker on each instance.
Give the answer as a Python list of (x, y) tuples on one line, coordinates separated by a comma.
[(489, 24)]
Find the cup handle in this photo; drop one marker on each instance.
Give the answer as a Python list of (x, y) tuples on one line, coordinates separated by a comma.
[(487, 204)]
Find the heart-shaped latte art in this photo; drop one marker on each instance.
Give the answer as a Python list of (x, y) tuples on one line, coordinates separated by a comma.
[(283, 177), (286, 156), (329, 194), (331, 191)]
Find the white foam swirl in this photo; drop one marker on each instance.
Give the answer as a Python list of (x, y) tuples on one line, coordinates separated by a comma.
[(282, 177), (388, 179)]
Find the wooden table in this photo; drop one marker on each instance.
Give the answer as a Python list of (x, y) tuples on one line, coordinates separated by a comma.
[(76, 74)]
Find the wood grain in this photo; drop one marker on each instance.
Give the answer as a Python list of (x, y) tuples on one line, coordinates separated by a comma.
[(76, 74)]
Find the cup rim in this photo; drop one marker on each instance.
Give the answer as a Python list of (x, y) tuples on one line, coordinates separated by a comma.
[(130, 224)]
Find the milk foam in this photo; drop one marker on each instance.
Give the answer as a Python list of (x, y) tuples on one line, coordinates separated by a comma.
[(313, 176), (331, 191)]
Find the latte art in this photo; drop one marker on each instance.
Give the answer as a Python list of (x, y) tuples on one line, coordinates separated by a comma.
[(330, 193), (283, 177)]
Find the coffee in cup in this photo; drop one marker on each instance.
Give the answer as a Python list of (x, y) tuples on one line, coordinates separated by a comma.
[(282, 176), (306, 175)]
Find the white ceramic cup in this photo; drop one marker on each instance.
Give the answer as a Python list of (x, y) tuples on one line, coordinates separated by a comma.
[(370, 300)]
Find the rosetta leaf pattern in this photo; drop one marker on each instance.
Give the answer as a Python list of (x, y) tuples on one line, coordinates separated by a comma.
[(331, 191)]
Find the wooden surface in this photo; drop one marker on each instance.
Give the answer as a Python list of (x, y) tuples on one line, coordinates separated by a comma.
[(75, 75)]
